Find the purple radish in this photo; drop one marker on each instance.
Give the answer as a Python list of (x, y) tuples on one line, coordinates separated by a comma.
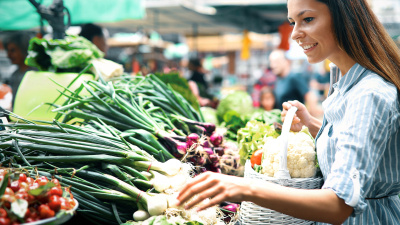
[(216, 139)]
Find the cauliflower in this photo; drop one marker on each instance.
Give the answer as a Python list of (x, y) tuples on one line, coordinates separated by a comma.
[(300, 156)]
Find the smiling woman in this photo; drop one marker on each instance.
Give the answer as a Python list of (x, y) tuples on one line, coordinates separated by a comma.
[(358, 140)]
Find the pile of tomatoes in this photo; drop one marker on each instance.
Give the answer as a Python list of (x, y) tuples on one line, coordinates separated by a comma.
[(26, 199)]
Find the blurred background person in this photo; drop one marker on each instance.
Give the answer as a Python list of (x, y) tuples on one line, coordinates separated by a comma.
[(291, 85), (197, 84), (267, 99), (96, 34), (16, 44)]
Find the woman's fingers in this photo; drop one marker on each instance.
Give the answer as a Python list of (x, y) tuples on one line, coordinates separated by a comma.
[(210, 193), (214, 201), (198, 185)]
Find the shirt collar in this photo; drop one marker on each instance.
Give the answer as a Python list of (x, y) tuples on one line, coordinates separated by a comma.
[(347, 81)]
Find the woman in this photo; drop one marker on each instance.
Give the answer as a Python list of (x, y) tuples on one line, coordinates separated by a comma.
[(358, 141)]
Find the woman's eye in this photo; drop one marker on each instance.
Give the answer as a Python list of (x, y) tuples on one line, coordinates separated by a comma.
[(291, 23), (309, 19)]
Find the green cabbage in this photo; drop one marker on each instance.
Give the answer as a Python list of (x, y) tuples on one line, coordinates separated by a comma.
[(238, 101)]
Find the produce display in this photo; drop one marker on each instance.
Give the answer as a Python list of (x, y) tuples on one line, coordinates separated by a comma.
[(27, 198), (236, 109), (113, 180), (119, 151)]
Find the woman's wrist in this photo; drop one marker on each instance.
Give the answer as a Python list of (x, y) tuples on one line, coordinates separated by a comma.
[(314, 125)]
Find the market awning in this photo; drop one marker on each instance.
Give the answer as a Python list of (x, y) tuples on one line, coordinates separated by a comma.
[(21, 14), (172, 16)]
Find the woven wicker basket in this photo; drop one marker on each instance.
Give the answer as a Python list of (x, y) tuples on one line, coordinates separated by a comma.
[(251, 213)]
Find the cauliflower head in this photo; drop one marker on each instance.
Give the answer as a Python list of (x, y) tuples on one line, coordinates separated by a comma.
[(300, 156)]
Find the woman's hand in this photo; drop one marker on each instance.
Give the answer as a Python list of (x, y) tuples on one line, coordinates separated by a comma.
[(302, 116), (218, 187)]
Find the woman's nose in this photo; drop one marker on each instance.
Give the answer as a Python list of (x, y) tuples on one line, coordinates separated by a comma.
[(297, 33)]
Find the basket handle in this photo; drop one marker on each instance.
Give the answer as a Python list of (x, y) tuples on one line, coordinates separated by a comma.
[(283, 172)]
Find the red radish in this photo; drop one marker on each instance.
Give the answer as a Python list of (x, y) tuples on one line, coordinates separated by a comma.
[(209, 151), (219, 150), (216, 139), (192, 138), (232, 207)]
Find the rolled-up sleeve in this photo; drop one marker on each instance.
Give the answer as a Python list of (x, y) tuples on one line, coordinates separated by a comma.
[(360, 144)]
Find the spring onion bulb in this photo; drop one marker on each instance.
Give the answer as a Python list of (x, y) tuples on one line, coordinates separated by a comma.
[(156, 205), (141, 215), (160, 182)]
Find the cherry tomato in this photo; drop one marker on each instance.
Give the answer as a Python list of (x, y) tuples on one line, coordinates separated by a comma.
[(23, 186), (33, 186), (15, 185), (42, 181), (4, 221), (9, 191), (31, 199), (43, 198), (30, 180), (55, 203), (56, 191), (22, 177), (3, 212), (56, 182), (255, 159), (22, 195), (45, 211), (65, 205), (72, 203)]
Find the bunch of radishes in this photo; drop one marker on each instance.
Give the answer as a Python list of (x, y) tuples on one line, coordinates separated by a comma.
[(205, 152)]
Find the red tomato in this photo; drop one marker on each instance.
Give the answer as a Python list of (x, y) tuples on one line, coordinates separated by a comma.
[(22, 177), (33, 186), (56, 191), (3, 212), (65, 205), (14, 185), (55, 203), (23, 186), (22, 195), (56, 182), (4, 221), (9, 191), (30, 180), (42, 181), (255, 159), (45, 212)]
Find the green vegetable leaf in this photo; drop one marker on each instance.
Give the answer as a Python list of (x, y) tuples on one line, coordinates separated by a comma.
[(193, 223), (42, 189), (3, 184), (19, 207)]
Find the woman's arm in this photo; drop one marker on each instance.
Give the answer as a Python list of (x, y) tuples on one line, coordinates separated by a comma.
[(315, 205)]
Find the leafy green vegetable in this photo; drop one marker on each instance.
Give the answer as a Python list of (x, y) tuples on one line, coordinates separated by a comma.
[(71, 54), (251, 138), (268, 117), (209, 114), (238, 101)]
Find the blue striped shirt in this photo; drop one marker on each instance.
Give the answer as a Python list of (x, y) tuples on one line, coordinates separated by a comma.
[(358, 146)]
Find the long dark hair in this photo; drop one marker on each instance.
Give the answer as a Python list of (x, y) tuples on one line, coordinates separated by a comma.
[(360, 34)]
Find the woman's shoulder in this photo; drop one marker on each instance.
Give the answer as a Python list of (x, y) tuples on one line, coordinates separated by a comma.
[(375, 85)]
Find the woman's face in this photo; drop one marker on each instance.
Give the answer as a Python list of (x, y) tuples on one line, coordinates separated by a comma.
[(313, 30)]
